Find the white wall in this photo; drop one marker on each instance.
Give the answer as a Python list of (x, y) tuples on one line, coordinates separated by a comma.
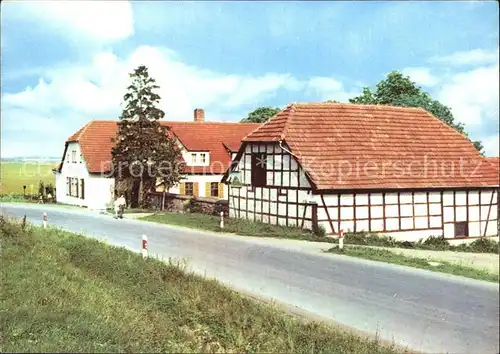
[(283, 169), (411, 216), (264, 204), (279, 202), (98, 190)]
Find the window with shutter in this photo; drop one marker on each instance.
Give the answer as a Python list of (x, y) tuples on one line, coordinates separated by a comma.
[(214, 189), (221, 190), (196, 191), (188, 188)]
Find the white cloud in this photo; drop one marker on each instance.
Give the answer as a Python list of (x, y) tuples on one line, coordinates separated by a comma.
[(473, 95), (421, 76), (491, 145), (329, 89), (68, 96), (471, 57), (100, 21)]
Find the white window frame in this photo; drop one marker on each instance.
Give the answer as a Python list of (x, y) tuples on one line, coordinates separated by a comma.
[(194, 158)]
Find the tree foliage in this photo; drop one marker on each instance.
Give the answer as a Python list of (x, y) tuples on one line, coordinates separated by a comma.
[(260, 115), (398, 90), (144, 150)]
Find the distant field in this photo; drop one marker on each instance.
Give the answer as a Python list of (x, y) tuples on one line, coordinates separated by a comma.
[(15, 175)]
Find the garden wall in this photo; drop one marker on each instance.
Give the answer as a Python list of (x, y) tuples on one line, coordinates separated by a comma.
[(181, 203)]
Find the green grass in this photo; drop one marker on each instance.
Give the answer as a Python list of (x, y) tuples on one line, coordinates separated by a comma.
[(433, 243), (237, 226), (67, 293), (15, 175), (387, 256)]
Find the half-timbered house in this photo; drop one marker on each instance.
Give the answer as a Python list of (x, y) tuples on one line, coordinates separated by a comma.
[(381, 169)]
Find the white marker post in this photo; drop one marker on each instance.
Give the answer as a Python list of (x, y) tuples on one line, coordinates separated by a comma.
[(341, 239), (44, 220), (221, 219), (144, 246)]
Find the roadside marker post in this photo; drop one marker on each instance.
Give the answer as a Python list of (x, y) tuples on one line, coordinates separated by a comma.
[(44, 220), (341, 239), (221, 219), (144, 246)]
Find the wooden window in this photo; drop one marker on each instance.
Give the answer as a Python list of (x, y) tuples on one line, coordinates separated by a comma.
[(77, 187), (82, 188), (214, 189), (461, 229), (189, 188), (193, 158), (259, 170), (203, 158)]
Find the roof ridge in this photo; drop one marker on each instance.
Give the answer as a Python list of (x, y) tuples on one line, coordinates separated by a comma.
[(344, 104)]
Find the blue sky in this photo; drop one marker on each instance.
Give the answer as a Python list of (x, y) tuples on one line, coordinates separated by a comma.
[(64, 63)]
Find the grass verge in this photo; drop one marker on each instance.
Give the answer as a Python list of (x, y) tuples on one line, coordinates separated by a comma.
[(433, 243), (66, 293), (237, 226), (387, 256)]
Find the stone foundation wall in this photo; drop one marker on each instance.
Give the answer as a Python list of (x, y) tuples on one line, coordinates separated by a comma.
[(183, 203)]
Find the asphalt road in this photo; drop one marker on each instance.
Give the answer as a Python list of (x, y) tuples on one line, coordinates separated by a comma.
[(426, 311)]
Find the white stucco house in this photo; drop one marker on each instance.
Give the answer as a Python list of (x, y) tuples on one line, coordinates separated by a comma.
[(83, 176), (389, 170)]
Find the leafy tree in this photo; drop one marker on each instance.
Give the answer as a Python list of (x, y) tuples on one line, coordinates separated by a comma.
[(398, 90), (260, 115), (41, 190), (144, 150)]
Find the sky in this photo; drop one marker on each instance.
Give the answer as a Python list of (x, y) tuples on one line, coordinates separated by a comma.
[(65, 63)]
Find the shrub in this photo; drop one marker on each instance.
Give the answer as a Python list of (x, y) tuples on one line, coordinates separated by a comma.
[(364, 238), (484, 245), (434, 243), (320, 231), (187, 205)]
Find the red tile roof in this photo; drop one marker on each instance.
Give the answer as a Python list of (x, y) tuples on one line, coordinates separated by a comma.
[(495, 162), (346, 146), (97, 138)]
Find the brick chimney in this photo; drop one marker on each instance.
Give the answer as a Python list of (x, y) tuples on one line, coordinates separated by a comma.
[(199, 115)]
